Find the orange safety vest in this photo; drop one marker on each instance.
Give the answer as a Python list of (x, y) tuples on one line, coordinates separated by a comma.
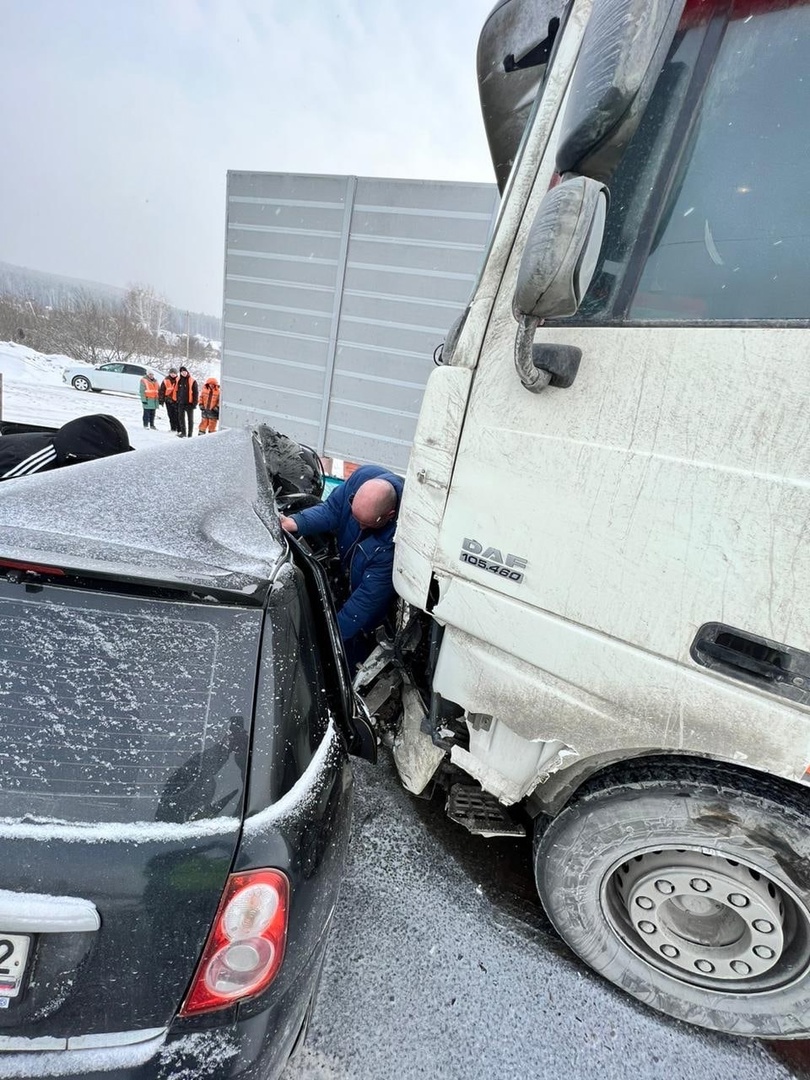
[(150, 388), (169, 386), (209, 399)]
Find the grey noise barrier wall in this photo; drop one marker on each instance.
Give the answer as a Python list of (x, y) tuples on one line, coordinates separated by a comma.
[(338, 289)]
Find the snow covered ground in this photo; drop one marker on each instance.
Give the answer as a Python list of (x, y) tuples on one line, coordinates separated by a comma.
[(33, 393), (441, 963)]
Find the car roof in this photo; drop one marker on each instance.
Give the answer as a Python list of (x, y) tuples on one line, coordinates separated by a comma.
[(200, 513)]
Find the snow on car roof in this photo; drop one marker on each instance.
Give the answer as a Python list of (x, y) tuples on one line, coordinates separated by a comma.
[(201, 513)]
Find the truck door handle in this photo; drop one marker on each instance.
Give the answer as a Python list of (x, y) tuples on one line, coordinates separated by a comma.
[(764, 668), (759, 661)]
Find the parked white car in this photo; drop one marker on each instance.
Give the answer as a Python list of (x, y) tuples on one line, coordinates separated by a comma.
[(117, 377)]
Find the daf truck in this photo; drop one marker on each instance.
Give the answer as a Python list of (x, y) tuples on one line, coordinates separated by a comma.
[(602, 549)]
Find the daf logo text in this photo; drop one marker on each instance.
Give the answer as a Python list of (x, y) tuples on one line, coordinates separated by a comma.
[(491, 560)]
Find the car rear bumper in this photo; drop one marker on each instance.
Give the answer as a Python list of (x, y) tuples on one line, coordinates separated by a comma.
[(244, 1049)]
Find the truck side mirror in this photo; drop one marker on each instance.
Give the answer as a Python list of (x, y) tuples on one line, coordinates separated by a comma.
[(558, 263), (623, 50), (561, 251)]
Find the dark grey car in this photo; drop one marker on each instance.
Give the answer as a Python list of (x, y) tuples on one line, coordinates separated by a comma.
[(174, 786)]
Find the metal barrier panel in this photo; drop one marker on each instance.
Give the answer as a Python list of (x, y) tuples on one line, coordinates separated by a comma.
[(337, 291)]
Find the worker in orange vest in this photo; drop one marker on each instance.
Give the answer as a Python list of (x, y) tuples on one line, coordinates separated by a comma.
[(168, 397), (149, 399), (209, 406)]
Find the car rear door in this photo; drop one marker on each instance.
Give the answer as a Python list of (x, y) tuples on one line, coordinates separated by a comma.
[(108, 377), (126, 727), (131, 379), (345, 704)]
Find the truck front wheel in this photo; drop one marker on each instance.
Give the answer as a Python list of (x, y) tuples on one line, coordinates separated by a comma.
[(691, 891)]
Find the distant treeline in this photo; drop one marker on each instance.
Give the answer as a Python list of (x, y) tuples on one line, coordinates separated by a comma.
[(54, 291), (94, 327)]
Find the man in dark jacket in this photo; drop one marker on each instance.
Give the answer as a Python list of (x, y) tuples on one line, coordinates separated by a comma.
[(187, 398), (84, 439), (362, 514)]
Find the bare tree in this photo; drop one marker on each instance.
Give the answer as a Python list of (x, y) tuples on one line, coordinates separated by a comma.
[(148, 309), (15, 320), (94, 327)]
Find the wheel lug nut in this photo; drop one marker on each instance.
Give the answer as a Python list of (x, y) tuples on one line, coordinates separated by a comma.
[(647, 927), (704, 966), (699, 885), (763, 926), (665, 887), (740, 967), (670, 951), (738, 900), (763, 952), (645, 902)]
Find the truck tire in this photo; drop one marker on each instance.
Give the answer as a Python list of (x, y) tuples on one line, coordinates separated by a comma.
[(691, 891)]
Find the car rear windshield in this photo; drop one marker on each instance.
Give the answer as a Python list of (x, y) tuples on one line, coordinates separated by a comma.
[(120, 708)]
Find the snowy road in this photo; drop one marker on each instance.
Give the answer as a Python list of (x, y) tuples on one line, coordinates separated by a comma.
[(441, 964)]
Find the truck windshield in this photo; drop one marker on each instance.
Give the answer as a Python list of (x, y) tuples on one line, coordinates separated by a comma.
[(708, 217)]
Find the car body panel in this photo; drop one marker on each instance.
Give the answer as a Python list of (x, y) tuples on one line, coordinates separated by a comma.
[(122, 778), (168, 723)]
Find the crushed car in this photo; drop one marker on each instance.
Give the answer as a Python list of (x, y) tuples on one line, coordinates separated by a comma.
[(175, 790)]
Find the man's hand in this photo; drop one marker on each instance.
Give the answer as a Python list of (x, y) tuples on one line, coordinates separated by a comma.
[(288, 525)]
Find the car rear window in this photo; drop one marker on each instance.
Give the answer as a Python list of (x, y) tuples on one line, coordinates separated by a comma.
[(122, 709)]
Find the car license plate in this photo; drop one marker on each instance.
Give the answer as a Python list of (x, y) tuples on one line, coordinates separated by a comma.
[(13, 956)]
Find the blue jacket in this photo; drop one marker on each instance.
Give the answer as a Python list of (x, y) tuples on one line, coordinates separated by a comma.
[(367, 555)]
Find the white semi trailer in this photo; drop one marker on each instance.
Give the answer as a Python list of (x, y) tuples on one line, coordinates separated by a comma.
[(603, 540)]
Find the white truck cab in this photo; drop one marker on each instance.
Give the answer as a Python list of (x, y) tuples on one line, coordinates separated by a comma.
[(607, 499)]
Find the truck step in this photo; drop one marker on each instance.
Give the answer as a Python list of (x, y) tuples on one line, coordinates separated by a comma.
[(480, 812)]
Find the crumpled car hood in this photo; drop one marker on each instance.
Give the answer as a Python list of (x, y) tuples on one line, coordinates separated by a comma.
[(200, 513)]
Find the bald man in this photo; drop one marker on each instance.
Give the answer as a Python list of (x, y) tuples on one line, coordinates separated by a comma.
[(362, 514)]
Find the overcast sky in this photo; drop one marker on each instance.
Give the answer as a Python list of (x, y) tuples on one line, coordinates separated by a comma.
[(121, 117)]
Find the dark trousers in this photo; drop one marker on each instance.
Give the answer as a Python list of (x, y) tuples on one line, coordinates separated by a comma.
[(171, 412), (357, 650), (149, 417), (185, 419)]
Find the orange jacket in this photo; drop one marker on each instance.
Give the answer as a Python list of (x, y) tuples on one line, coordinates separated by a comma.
[(209, 398), (168, 389), (149, 389)]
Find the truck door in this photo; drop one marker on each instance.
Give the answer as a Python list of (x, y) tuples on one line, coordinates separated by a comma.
[(595, 532)]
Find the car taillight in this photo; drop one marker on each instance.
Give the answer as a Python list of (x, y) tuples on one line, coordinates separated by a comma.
[(246, 944), (30, 567)]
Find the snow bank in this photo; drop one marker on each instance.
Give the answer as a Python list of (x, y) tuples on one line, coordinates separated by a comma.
[(34, 393), (22, 364)]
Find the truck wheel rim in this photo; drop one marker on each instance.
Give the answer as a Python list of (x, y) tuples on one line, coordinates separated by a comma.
[(708, 920)]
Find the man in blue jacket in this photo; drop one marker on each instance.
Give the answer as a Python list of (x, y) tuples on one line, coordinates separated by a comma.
[(362, 514)]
